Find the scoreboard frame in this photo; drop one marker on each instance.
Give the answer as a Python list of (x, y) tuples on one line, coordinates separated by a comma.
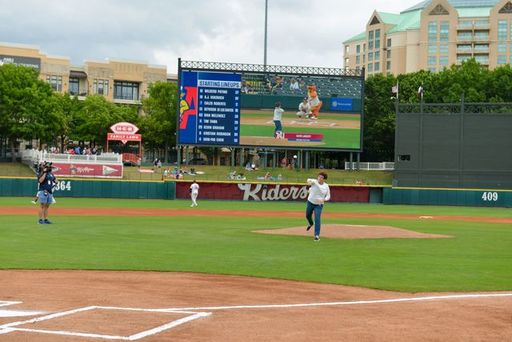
[(268, 71)]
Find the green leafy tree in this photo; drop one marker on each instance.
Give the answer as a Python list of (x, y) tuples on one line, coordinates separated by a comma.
[(379, 121), (158, 125), (24, 100)]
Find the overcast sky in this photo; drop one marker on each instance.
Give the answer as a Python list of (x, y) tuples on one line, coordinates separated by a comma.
[(300, 32)]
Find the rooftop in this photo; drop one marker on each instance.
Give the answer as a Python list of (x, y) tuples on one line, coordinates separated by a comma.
[(456, 4)]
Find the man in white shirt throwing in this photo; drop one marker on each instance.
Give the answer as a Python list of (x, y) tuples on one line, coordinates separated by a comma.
[(318, 194), (194, 192)]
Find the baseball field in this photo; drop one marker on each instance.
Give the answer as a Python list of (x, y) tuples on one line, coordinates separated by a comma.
[(162, 271), (339, 131)]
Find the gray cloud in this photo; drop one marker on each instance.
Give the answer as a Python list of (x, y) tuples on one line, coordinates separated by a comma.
[(300, 32)]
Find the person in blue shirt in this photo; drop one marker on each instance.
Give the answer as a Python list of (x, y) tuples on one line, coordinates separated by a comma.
[(47, 182)]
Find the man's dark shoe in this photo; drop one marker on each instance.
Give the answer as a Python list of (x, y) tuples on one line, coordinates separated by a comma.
[(309, 227)]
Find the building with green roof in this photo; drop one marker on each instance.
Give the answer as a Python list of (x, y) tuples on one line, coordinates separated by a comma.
[(433, 35)]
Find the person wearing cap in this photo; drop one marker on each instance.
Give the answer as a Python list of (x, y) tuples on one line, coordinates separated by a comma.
[(46, 181), (304, 109), (319, 193)]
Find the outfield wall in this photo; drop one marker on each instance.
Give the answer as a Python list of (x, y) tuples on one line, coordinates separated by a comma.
[(92, 188), (472, 197), (274, 192)]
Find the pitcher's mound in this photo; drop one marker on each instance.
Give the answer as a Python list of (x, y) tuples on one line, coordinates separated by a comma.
[(350, 231)]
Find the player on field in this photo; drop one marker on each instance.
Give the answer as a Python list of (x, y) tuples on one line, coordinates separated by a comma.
[(278, 114), (304, 109), (319, 193), (194, 192)]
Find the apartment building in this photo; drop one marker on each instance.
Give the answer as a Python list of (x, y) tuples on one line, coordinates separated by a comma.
[(119, 81), (433, 35)]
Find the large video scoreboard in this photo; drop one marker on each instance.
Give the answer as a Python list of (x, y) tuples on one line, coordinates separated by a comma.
[(237, 107)]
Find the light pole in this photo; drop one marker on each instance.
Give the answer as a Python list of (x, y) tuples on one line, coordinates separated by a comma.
[(265, 39)]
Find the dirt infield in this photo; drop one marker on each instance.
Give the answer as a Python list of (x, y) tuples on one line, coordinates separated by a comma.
[(12, 210), (350, 231), (151, 306)]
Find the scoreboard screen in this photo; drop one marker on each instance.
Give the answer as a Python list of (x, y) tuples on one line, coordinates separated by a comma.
[(251, 109)]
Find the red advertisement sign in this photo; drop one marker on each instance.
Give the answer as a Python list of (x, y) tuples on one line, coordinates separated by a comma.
[(124, 127), (307, 137), (270, 192), (88, 170), (124, 137)]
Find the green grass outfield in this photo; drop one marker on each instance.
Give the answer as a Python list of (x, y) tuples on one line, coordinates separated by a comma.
[(333, 137), (477, 258)]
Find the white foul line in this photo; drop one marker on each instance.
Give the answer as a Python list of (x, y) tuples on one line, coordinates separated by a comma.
[(7, 303), (359, 302)]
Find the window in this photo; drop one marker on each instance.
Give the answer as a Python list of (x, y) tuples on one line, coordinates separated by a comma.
[(465, 24), (377, 55), (358, 49), (443, 49), (364, 59), (377, 66), (443, 60), (347, 49), (432, 49), (100, 87), (388, 54), (482, 59), (464, 36), (502, 59), (461, 59), (358, 59), (55, 82), (432, 31), (74, 86), (481, 23), (370, 56), (370, 67), (388, 65), (481, 47), (464, 48), (126, 90), (502, 47), (432, 60), (444, 31), (370, 40), (377, 38), (482, 35), (502, 30), (388, 44), (432, 69)]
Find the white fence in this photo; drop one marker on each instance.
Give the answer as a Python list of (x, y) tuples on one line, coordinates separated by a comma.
[(383, 166), (34, 156)]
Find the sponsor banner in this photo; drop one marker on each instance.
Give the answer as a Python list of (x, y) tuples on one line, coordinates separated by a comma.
[(304, 137), (124, 137), (269, 192), (87, 170), (341, 104), (21, 61)]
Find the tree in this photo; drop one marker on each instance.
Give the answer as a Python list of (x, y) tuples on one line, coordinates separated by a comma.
[(158, 126), (379, 121), (24, 100)]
